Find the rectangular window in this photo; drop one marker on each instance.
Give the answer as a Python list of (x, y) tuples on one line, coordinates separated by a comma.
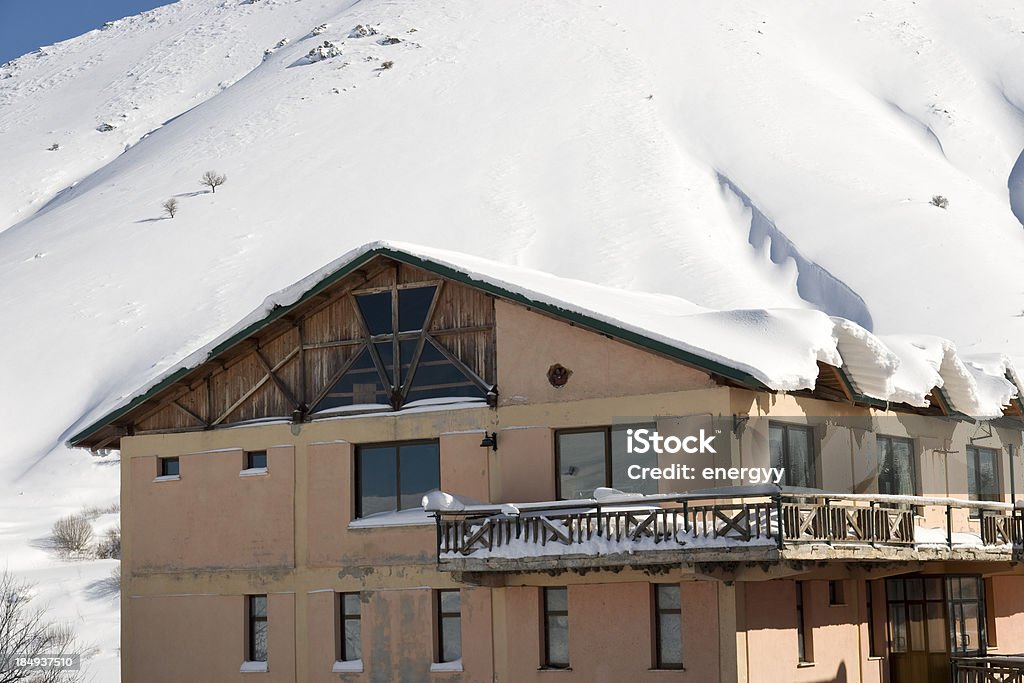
[(873, 649), (792, 448), (589, 458), (982, 473), (255, 460), (895, 466), (668, 627), (805, 647), (836, 593), (556, 628), (449, 626), (169, 467), (395, 476), (256, 645), (350, 627)]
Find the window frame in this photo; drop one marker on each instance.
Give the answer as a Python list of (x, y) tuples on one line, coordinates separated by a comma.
[(440, 615), (812, 442), (357, 499), (609, 463), (248, 461), (251, 621), (343, 617), (913, 461), (804, 635), (546, 614), (658, 611), (162, 463), (973, 456)]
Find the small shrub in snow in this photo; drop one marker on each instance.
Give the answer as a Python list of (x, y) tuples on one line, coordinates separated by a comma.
[(361, 31), (390, 40), (71, 534), (109, 547), (317, 30), (213, 180), (940, 201), (326, 51), (105, 127), (170, 207), (53, 148), (386, 65)]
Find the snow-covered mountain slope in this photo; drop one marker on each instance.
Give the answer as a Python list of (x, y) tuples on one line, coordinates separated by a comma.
[(749, 155)]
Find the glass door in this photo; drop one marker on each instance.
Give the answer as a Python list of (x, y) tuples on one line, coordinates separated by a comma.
[(966, 615), (917, 630)]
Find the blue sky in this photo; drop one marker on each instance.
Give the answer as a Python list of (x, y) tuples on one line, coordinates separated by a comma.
[(28, 24)]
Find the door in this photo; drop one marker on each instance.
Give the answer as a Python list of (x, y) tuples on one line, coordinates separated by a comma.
[(918, 632), (966, 599)]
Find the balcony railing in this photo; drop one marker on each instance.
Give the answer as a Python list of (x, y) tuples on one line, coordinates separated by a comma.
[(715, 524), (1003, 669)]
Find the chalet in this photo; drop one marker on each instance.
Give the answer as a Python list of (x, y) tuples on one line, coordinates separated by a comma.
[(413, 466)]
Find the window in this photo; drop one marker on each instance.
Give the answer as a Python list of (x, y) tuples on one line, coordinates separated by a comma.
[(895, 466), (982, 475), (804, 644), (255, 460), (395, 359), (916, 615), (350, 646), (966, 607), (836, 593), (256, 639), (589, 458), (873, 649), (668, 627), (395, 476), (449, 626), (556, 628), (169, 467), (792, 448)]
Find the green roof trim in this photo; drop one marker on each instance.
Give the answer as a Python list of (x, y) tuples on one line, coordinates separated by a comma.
[(451, 273)]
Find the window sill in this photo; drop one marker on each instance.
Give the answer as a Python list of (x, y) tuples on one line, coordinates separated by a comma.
[(351, 666), (168, 477), (253, 668), (804, 665), (554, 668), (411, 517), (441, 667), (253, 472), (670, 668)]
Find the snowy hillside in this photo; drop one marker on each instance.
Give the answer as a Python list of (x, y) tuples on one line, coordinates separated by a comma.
[(736, 154)]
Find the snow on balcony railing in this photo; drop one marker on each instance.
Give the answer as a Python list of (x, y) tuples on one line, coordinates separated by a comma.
[(613, 522)]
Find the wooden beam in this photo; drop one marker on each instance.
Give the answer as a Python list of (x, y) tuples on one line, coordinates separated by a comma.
[(334, 379), (254, 389), (475, 378), (414, 362), (278, 382), (190, 413)]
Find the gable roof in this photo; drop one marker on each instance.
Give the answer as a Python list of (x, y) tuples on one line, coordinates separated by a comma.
[(768, 349)]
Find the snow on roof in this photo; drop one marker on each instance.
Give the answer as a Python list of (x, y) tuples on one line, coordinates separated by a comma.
[(779, 348)]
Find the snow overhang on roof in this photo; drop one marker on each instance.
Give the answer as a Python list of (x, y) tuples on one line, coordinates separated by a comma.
[(773, 349)]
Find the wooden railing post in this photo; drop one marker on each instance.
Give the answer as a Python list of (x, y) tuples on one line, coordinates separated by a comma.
[(778, 521), (949, 525)]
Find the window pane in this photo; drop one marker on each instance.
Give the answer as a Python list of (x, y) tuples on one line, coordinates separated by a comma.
[(361, 384), (894, 589), (353, 639), (376, 310), (420, 472), (581, 463), (800, 470), (351, 604), (169, 467), (898, 624), (437, 377), (915, 589), (558, 640), (556, 600), (259, 644), (670, 639), (936, 628), (933, 588), (385, 351), (621, 461), (969, 587), (377, 480), (258, 606), (902, 467), (257, 459), (450, 601), (668, 597), (987, 475), (451, 637), (886, 477), (775, 446), (413, 305), (917, 643)]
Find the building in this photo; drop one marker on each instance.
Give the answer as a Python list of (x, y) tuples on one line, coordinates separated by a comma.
[(274, 491)]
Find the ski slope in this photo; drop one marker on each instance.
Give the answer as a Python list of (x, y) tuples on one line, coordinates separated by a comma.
[(738, 155)]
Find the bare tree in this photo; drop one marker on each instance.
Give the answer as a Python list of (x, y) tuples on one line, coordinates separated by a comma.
[(170, 207), (213, 180), (26, 633)]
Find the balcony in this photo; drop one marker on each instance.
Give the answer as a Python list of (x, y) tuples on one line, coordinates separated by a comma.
[(1003, 669), (740, 524)]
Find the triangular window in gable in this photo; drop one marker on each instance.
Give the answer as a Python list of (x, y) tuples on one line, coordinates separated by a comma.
[(399, 361)]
